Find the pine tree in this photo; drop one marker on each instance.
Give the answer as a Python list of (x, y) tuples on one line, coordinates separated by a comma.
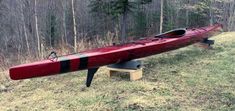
[(117, 9)]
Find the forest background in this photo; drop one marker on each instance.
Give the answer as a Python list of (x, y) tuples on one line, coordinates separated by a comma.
[(30, 29)]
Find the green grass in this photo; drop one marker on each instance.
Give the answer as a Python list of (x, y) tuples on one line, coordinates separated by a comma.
[(190, 78)]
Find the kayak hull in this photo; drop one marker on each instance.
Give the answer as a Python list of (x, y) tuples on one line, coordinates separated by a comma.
[(112, 54)]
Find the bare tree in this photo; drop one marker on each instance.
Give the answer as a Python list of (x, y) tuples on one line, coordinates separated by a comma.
[(64, 23), (24, 27), (36, 27), (161, 17), (231, 18), (74, 27)]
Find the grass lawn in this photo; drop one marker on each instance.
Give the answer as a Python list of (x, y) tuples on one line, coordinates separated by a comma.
[(190, 78)]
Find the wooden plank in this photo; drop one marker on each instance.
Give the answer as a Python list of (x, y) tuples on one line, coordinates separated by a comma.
[(134, 74)]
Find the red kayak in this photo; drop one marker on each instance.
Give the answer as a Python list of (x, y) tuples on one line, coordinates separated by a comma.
[(93, 59)]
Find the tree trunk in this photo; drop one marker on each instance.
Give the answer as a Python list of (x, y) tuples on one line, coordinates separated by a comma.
[(187, 13), (231, 16), (64, 24), (36, 29), (24, 28), (211, 16), (5, 43), (123, 27), (232, 28), (187, 18), (74, 27), (161, 17), (225, 16)]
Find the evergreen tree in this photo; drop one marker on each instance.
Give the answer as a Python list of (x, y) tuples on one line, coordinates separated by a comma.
[(140, 24), (117, 9)]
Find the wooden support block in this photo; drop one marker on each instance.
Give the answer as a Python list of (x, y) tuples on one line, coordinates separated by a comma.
[(134, 74), (206, 44), (203, 45)]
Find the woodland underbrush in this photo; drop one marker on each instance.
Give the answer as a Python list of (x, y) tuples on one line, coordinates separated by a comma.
[(12, 58)]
